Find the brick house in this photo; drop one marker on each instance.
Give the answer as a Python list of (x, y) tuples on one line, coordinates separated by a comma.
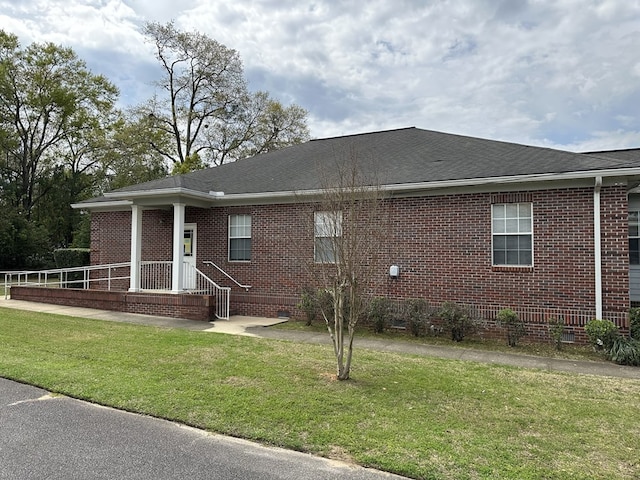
[(479, 222)]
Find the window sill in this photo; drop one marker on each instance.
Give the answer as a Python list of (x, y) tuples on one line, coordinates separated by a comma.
[(512, 268)]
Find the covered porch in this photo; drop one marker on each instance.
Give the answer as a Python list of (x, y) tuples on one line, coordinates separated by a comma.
[(163, 250), (156, 235), (146, 253), (177, 275)]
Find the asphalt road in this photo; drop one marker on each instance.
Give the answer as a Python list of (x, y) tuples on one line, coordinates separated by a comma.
[(43, 436)]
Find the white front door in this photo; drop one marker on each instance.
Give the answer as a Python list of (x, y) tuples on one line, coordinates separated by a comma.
[(189, 251)]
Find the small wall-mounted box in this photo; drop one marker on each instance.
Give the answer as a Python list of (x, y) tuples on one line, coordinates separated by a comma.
[(394, 271)]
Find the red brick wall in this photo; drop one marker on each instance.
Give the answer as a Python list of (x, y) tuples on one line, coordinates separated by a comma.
[(111, 236), (615, 249), (442, 245), (193, 307), (443, 248)]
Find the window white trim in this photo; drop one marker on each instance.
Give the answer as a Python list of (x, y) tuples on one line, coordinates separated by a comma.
[(239, 242), (512, 234), (327, 228), (634, 235)]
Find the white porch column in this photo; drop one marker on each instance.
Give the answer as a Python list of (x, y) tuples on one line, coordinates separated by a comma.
[(177, 278), (136, 247)]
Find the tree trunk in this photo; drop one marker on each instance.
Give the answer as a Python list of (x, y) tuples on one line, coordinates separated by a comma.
[(346, 369)]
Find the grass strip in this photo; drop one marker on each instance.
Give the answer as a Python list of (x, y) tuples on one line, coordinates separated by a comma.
[(477, 341), (422, 417)]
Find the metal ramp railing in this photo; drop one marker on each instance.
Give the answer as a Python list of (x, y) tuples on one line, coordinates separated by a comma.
[(208, 262), (200, 283), (154, 276), (77, 277)]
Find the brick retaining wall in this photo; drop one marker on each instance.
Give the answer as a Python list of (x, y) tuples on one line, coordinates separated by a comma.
[(192, 307)]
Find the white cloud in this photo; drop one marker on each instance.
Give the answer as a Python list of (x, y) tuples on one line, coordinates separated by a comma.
[(560, 73), (601, 141), (90, 24)]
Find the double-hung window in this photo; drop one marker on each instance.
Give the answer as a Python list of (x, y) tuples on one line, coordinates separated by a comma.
[(328, 230), (239, 238), (512, 234), (634, 237)]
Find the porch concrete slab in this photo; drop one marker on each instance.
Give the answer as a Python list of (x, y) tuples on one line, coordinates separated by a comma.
[(238, 325)]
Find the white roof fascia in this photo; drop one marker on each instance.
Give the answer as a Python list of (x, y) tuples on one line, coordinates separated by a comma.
[(538, 177), (467, 182), (111, 204), (161, 193)]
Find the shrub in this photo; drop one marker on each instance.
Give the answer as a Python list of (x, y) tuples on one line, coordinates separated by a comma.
[(601, 333), (71, 257), (510, 321), (634, 320), (379, 312), (309, 305), (625, 351), (458, 319), (418, 317), (556, 331)]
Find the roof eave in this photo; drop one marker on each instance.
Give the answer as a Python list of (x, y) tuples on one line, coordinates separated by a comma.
[(111, 205), (123, 199), (439, 185), (512, 179), (161, 192)]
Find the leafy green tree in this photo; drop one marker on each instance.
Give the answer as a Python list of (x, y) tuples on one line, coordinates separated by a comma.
[(129, 158), (280, 127), (55, 119), (61, 187), (205, 107), (49, 104), (24, 243), (190, 164)]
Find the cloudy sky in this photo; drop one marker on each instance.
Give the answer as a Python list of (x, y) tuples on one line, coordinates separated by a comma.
[(558, 73)]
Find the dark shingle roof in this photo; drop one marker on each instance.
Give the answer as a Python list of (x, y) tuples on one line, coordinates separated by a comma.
[(629, 154), (402, 156)]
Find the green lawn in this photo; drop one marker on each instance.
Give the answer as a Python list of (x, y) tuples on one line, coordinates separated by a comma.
[(420, 417)]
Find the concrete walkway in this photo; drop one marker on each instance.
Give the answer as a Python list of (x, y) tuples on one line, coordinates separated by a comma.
[(603, 368), (256, 327), (237, 325)]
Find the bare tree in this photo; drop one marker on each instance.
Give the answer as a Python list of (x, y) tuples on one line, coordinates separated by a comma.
[(203, 80), (205, 108), (262, 125), (349, 224)]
